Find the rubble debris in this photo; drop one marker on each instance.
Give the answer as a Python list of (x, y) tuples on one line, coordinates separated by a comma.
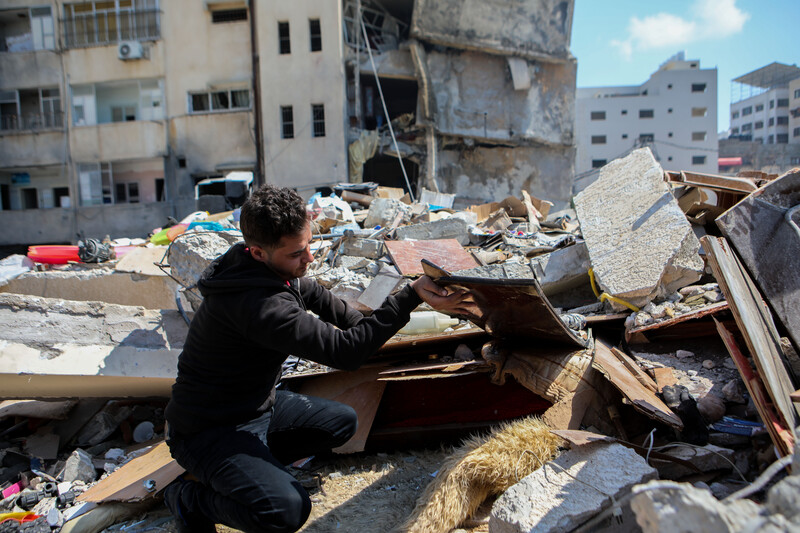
[(447, 228), (640, 244), (763, 228), (571, 489), (562, 269), (407, 255)]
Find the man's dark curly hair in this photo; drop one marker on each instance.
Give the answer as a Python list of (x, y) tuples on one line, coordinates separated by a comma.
[(270, 213)]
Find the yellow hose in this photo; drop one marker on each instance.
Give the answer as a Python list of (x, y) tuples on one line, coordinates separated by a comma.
[(605, 296)]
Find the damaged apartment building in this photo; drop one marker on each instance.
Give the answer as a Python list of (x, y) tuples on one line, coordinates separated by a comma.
[(115, 115)]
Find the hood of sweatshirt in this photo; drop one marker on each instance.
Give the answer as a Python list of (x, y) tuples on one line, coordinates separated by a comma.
[(236, 270)]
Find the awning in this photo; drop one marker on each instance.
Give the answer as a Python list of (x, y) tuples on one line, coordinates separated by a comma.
[(729, 161)]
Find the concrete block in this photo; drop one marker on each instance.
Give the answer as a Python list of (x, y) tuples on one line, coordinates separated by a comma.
[(79, 467), (380, 287), (371, 248), (383, 211), (670, 507), (534, 29), (352, 263), (446, 228), (707, 458), (550, 500), (640, 244), (563, 269)]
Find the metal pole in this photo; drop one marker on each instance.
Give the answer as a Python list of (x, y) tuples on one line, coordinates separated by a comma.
[(259, 177)]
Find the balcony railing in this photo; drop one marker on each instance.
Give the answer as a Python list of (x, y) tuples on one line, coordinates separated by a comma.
[(32, 122), (96, 29)]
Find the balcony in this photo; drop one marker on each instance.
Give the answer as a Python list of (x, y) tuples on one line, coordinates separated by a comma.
[(81, 30), (118, 141), (32, 122)]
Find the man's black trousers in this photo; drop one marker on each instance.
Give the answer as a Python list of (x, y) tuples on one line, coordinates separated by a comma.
[(243, 483)]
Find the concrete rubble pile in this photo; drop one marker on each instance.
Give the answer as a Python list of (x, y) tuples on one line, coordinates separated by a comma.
[(627, 324)]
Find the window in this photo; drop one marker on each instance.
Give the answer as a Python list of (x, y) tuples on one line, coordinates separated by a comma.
[(100, 22), (759, 124), (797, 93), (770, 139), (782, 138), (669, 86), (123, 113), (698, 87), (126, 193), (669, 134), (315, 32), (216, 101), (647, 137), (747, 111), (645, 113), (228, 15), (783, 121), (698, 136), (796, 132), (598, 139), (734, 131), (284, 45), (699, 111), (103, 103), (772, 104), (735, 114), (669, 110), (624, 111), (759, 107), (624, 135), (598, 115), (287, 122), (747, 127), (783, 102), (794, 161), (698, 160), (318, 120), (597, 163), (771, 121)]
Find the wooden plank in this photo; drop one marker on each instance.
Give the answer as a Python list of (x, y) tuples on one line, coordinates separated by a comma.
[(755, 323), (776, 427), (126, 484), (693, 315), (664, 377), (713, 181), (447, 253), (641, 397)]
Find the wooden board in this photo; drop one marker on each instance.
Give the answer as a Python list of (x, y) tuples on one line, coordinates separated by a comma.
[(126, 484), (755, 322), (664, 378), (447, 253), (641, 396)]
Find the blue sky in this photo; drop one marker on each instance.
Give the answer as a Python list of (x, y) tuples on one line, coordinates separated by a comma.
[(622, 42)]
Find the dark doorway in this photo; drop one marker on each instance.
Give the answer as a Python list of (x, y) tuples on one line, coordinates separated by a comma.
[(160, 190), (30, 198), (400, 95), (5, 197), (59, 193), (385, 170)]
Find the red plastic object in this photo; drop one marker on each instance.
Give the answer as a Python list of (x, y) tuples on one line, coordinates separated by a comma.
[(53, 254)]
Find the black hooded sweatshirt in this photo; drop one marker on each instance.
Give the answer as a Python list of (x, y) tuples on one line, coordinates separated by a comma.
[(250, 321)]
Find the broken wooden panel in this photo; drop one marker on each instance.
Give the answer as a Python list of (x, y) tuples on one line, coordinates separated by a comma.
[(616, 367), (513, 308), (714, 182), (768, 243), (129, 483), (660, 329), (779, 432), (446, 252), (755, 322)]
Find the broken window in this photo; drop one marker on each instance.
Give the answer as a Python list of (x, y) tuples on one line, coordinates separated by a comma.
[(287, 122), (99, 22), (646, 113), (698, 160), (27, 29), (645, 138), (318, 120), (598, 139), (315, 33), (384, 30), (698, 87), (699, 135), (284, 44), (218, 101), (598, 115), (228, 15)]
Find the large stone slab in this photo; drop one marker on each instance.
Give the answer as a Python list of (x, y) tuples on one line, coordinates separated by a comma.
[(550, 500), (446, 228), (640, 244)]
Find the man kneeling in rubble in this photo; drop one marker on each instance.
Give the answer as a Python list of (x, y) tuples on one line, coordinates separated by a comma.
[(228, 425)]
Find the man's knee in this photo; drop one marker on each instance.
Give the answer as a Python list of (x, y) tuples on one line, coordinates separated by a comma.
[(285, 515), (346, 420)]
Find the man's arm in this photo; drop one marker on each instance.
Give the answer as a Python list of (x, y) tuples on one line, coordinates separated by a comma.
[(326, 305)]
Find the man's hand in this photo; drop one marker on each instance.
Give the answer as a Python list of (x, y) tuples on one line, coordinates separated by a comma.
[(442, 299)]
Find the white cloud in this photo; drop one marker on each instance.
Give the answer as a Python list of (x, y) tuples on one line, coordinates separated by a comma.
[(712, 19)]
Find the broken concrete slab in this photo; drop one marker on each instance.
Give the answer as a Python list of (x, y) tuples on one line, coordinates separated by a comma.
[(533, 29), (640, 244), (474, 98), (706, 458), (668, 507), (99, 285), (384, 212), (371, 248), (380, 287), (91, 349), (571, 489), (563, 269), (446, 228)]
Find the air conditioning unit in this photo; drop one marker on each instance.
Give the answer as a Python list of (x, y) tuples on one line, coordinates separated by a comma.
[(130, 50)]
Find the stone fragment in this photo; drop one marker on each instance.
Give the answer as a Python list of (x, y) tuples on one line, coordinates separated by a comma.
[(642, 319), (732, 392), (708, 364), (550, 500), (640, 244), (371, 248), (352, 263), (384, 211), (79, 467), (380, 287), (711, 407), (707, 458), (670, 507), (562, 269), (446, 228), (713, 296), (684, 354)]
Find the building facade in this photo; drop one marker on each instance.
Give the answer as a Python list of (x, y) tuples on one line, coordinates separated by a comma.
[(674, 112)]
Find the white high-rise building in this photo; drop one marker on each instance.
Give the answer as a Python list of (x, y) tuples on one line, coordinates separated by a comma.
[(674, 113)]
